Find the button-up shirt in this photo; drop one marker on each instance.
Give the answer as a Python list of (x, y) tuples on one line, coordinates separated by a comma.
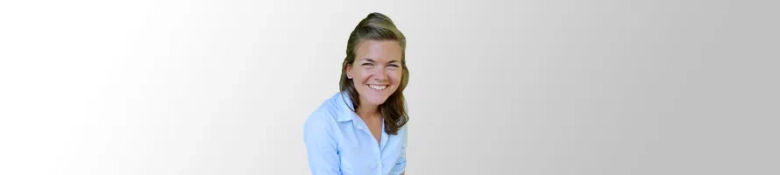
[(339, 142)]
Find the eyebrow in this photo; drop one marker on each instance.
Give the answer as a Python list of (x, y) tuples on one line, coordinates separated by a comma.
[(372, 60)]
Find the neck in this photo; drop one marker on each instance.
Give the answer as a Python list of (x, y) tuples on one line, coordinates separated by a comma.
[(368, 111)]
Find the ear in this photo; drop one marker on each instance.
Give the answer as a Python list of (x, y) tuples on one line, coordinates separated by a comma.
[(348, 68)]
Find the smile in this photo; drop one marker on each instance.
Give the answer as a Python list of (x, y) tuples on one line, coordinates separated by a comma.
[(377, 87)]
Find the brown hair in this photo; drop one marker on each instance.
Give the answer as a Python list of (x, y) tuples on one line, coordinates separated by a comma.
[(377, 26)]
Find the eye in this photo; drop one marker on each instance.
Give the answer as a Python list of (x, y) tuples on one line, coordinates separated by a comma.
[(394, 65), (367, 64)]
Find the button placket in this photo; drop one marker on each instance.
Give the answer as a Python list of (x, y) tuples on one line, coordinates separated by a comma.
[(361, 125)]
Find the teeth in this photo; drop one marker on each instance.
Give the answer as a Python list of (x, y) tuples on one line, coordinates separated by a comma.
[(377, 87)]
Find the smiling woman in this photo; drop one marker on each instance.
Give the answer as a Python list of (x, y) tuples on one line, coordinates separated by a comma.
[(360, 130)]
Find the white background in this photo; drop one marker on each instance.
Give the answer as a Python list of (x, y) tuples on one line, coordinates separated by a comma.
[(497, 87)]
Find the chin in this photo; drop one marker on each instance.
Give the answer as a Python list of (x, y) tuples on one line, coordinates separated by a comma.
[(375, 100)]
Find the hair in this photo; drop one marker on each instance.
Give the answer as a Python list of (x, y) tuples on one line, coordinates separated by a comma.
[(377, 26)]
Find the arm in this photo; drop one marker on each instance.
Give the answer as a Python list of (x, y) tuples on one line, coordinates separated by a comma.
[(401, 165), (321, 146)]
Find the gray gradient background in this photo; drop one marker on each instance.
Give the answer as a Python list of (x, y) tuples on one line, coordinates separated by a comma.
[(497, 87)]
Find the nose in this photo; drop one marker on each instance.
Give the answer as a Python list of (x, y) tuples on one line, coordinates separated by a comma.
[(379, 74)]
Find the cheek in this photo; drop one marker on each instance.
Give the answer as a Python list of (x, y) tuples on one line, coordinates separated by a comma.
[(358, 76), (395, 76)]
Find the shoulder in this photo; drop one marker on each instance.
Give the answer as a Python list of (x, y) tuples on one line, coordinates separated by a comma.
[(325, 115), (403, 130)]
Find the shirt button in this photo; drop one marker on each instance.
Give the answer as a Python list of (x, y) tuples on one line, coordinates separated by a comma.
[(378, 162)]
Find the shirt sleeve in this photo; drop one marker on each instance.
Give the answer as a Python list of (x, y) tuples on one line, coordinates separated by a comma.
[(400, 167), (321, 145)]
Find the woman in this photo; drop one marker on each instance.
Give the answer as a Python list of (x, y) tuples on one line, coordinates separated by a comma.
[(361, 130)]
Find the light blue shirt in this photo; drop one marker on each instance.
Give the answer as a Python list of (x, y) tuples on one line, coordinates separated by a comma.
[(339, 142)]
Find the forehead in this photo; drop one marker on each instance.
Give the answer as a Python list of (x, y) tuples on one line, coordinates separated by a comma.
[(378, 50)]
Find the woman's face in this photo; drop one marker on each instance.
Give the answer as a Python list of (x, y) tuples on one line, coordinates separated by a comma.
[(377, 70)]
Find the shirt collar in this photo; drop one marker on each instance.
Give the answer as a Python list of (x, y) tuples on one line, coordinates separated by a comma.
[(345, 106)]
